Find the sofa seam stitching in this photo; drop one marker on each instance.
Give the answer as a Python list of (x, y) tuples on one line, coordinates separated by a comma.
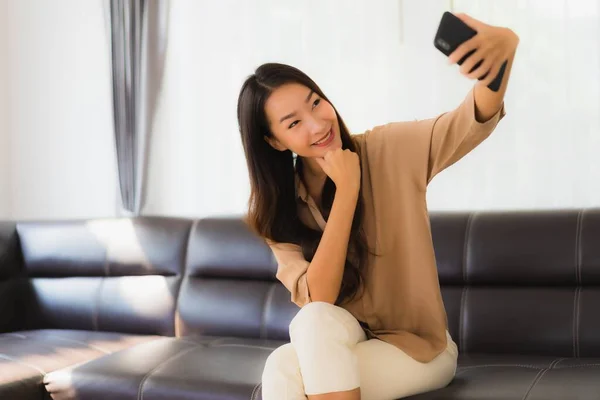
[(268, 298), (247, 346), (466, 246), (80, 342), (540, 375), (50, 346), (580, 365), (140, 395), (255, 391), (176, 317), (537, 377), (501, 365), (467, 236), (12, 334), (17, 361), (461, 334)]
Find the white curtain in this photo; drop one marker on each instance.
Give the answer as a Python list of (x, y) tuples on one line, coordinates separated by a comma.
[(138, 47)]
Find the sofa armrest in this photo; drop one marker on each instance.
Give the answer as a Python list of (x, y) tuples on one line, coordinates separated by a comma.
[(11, 277)]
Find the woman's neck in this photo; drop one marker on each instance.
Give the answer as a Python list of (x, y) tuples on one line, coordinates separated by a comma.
[(313, 170), (314, 178)]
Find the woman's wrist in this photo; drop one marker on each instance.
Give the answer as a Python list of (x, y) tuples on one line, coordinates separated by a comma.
[(349, 193)]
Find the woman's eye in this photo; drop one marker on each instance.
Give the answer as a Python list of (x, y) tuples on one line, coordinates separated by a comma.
[(316, 103), (292, 124)]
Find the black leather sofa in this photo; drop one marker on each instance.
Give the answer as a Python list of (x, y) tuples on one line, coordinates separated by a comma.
[(161, 308)]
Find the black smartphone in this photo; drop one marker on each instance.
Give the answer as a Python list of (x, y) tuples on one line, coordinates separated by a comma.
[(451, 33)]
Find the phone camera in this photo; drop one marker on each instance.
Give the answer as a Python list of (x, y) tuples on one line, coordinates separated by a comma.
[(443, 44)]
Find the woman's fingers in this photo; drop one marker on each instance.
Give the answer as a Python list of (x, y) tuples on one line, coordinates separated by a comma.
[(494, 70), (483, 69), (463, 50), (471, 63)]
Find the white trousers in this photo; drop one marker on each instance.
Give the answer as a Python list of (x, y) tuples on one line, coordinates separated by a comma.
[(329, 352)]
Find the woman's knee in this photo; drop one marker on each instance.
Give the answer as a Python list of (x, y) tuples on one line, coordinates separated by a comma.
[(325, 318), (314, 314), (283, 361)]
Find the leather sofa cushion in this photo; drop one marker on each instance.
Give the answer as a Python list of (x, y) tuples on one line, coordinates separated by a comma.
[(26, 356), (169, 368), (493, 377), (203, 368)]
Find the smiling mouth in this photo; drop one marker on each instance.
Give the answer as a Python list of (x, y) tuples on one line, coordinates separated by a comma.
[(324, 139)]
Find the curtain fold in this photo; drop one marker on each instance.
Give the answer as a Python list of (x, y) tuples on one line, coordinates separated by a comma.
[(138, 46)]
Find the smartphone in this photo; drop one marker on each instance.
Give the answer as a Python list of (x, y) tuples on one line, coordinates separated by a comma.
[(451, 33)]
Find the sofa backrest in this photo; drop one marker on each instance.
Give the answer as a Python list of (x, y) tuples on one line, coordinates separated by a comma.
[(109, 275), (521, 282), (517, 282), (230, 286)]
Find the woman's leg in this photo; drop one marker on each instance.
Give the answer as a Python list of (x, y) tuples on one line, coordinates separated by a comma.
[(336, 359), (320, 359), (386, 372), (324, 337), (281, 378)]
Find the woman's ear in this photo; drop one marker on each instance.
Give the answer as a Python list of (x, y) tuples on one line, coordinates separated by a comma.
[(274, 143)]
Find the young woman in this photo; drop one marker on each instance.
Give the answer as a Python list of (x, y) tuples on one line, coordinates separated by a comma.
[(346, 218)]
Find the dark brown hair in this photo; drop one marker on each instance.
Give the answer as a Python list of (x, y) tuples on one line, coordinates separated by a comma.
[(272, 208)]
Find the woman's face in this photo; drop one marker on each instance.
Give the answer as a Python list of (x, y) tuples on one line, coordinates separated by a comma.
[(302, 122)]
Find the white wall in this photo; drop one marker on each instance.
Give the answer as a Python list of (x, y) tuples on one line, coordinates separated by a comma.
[(4, 145), (376, 61), (545, 153), (197, 164), (61, 136)]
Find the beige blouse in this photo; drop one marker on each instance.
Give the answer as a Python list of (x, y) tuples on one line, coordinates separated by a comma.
[(402, 302)]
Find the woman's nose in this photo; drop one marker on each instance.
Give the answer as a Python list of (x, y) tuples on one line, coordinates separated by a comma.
[(316, 127)]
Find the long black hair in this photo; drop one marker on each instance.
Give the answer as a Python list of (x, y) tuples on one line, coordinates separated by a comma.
[(272, 207)]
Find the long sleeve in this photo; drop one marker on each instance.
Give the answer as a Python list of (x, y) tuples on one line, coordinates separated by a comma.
[(456, 133), (291, 270), (413, 152)]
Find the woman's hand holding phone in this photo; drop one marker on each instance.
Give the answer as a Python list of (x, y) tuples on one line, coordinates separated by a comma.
[(490, 48)]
